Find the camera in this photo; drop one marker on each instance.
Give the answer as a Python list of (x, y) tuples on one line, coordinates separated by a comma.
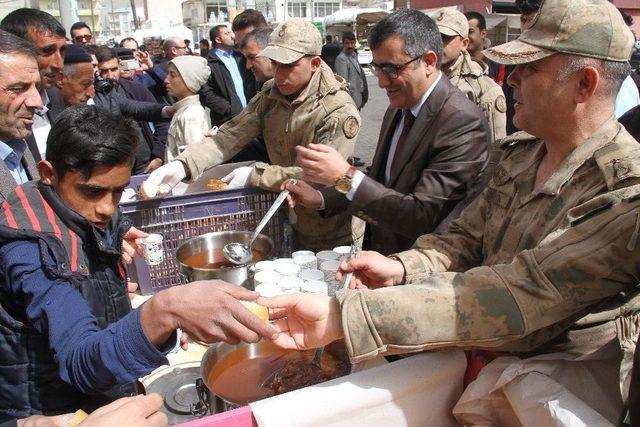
[(129, 64), (102, 85)]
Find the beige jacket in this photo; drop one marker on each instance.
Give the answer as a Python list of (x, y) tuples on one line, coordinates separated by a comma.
[(188, 125), (323, 113), (470, 77), (520, 270)]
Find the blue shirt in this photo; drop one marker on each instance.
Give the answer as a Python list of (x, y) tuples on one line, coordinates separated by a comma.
[(11, 152), (89, 358), (230, 62)]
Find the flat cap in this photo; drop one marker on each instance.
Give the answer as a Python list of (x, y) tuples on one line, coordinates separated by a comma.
[(74, 54), (591, 28), (452, 22), (292, 40)]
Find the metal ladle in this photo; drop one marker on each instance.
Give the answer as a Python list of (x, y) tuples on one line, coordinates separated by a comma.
[(240, 253)]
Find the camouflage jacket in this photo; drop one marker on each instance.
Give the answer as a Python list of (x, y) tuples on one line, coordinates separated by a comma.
[(323, 113), (470, 77), (521, 270)]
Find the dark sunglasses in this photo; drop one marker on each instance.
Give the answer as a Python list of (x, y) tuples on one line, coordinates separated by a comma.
[(85, 37)]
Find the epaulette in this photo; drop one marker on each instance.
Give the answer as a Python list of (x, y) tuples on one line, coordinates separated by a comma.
[(619, 160), (515, 138)]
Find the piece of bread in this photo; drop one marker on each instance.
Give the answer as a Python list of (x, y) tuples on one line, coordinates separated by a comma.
[(148, 190), (78, 417)]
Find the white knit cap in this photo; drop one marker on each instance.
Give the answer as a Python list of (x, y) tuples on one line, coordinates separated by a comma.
[(194, 70)]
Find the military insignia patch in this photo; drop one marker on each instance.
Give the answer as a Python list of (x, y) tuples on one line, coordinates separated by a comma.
[(501, 104), (350, 127)]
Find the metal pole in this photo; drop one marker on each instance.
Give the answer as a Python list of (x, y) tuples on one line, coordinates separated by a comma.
[(135, 14), (93, 22), (68, 12)]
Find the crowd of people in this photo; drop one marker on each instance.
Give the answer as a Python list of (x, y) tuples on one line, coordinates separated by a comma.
[(501, 209)]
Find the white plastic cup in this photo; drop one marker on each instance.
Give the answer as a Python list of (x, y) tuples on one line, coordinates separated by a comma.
[(342, 250), (288, 269), (290, 283), (330, 268), (265, 266), (268, 290), (152, 249), (315, 287), (283, 261), (311, 274), (302, 253), (264, 277), (306, 261), (326, 256)]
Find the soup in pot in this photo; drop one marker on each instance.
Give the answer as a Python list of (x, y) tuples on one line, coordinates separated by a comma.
[(215, 259)]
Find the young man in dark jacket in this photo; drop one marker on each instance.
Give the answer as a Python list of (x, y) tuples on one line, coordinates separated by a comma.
[(68, 335)]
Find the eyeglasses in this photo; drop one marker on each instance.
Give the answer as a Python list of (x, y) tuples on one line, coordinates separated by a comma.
[(391, 70), (86, 37)]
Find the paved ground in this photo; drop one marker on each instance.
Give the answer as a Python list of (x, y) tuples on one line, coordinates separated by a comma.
[(372, 114)]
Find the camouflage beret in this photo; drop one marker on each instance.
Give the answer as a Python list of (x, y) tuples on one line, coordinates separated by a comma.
[(592, 28)]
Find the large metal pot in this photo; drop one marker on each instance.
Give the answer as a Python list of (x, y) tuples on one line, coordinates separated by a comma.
[(212, 244), (217, 353)]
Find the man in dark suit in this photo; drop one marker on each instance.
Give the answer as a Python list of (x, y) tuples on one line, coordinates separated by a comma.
[(19, 100), (431, 154), (224, 93)]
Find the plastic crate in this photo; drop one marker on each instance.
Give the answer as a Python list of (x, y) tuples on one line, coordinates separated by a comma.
[(179, 218)]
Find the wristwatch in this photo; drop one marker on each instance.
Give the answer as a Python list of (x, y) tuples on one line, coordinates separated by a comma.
[(343, 183)]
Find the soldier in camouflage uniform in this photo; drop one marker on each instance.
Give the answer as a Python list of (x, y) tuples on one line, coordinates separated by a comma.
[(543, 265), (467, 74), (320, 112)]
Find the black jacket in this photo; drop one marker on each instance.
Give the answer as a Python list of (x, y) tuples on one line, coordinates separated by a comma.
[(30, 378), (157, 140), (219, 93), (631, 121)]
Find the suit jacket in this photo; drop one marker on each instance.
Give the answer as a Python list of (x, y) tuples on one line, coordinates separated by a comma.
[(56, 104), (7, 181), (349, 69), (54, 107), (443, 163), (219, 92)]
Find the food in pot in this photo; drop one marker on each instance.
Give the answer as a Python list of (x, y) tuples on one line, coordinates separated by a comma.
[(247, 374), (215, 259), (216, 184), (298, 374)]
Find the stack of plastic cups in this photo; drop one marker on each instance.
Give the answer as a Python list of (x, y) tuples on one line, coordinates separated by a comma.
[(265, 266), (306, 262), (330, 268), (265, 277), (290, 284), (287, 269), (311, 274), (268, 290), (326, 256), (302, 253), (315, 287), (342, 251)]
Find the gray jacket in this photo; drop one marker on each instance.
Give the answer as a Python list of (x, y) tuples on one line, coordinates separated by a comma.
[(350, 69)]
